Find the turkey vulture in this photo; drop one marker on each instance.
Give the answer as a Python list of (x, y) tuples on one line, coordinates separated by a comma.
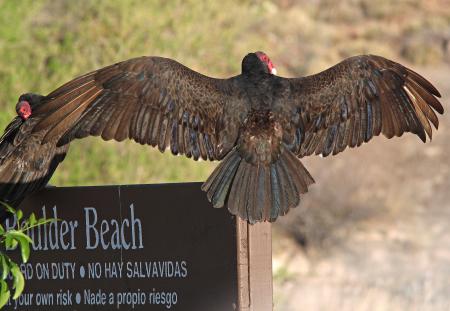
[(26, 165), (257, 124)]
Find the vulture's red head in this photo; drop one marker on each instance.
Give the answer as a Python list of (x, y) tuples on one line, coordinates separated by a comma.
[(257, 64), (25, 104), (23, 109), (266, 60)]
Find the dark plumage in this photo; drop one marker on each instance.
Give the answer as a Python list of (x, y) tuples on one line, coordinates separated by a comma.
[(257, 124), (26, 165)]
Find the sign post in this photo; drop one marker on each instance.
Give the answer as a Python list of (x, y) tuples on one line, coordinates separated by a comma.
[(254, 244), (143, 247)]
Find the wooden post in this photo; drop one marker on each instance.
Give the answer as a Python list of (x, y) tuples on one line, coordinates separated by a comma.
[(254, 243)]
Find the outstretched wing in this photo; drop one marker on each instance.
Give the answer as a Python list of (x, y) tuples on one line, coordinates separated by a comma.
[(355, 100), (152, 100)]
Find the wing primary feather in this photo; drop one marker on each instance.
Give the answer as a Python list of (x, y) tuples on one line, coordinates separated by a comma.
[(421, 116), (423, 82), (106, 108), (181, 145), (68, 108), (123, 130), (363, 123), (330, 140), (112, 120), (356, 129), (427, 97), (77, 82), (143, 124), (370, 123), (151, 125), (202, 147), (155, 128), (349, 132), (423, 106), (162, 142), (377, 117), (87, 120), (209, 147), (194, 144), (174, 137), (62, 126), (318, 137), (186, 139), (137, 124), (55, 103), (339, 147)]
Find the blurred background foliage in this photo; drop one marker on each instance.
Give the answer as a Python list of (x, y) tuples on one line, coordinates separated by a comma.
[(371, 234)]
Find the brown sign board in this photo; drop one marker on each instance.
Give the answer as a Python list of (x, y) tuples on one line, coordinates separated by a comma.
[(143, 247)]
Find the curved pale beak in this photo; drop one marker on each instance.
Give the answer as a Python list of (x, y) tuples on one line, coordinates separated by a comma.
[(274, 71)]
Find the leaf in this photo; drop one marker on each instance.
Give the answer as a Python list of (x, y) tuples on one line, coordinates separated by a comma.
[(5, 266), (10, 242), (24, 241), (4, 293), (19, 215), (32, 219), (24, 249), (42, 221), (2, 230), (18, 235), (8, 207), (18, 281)]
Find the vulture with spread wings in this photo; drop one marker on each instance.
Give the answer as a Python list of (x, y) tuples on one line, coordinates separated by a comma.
[(258, 125)]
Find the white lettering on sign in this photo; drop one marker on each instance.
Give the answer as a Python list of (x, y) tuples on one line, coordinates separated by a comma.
[(94, 298), (94, 270), (168, 299), (97, 297), (64, 298), (44, 299), (105, 234), (113, 269), (54, 236), (42, 271), (27, 270), (156, 269), (131, 298), (111, 234), (63, 270)]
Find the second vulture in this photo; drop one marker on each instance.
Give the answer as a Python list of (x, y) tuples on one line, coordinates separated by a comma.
[(257, 124)]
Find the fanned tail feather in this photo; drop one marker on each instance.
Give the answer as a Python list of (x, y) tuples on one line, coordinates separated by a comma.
[(258, 192)]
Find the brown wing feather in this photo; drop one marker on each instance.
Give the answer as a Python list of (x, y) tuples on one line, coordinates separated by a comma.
[(355, 100), (152, 100), (26, 165)]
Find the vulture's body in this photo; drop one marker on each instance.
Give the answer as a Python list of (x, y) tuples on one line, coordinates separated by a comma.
[(257, 124), (26, 165)]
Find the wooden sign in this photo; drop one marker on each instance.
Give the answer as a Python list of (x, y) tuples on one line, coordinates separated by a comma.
[(143, 247)]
